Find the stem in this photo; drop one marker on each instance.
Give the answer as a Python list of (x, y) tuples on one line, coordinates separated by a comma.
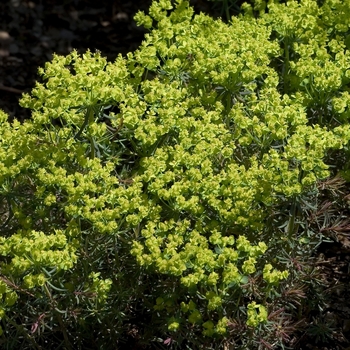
[(59, 317), (286, 65), (227, 10), (291, 222), (92, 147), (63, 329), (88, 119), (26, 335)]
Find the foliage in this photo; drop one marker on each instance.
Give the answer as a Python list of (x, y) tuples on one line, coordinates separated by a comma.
[(166, 194), (227, 7)]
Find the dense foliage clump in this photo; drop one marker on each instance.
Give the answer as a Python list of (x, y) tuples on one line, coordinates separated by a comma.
[(167, 193)]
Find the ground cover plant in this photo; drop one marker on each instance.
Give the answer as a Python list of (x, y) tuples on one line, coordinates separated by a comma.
[(168, 195)]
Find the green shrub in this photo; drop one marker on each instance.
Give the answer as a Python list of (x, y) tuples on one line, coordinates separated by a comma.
[(163, 194)]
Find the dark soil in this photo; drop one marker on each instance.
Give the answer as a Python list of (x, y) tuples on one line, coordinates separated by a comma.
[(31, 31)]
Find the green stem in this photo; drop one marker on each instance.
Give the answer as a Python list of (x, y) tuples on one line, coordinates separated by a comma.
[(59, 317), (286, 66), (291, 221), (92, 146), (89, 116), (227, 10)]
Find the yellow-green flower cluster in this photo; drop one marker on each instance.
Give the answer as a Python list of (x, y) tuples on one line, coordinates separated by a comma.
[(99, 286), (76, 83), (32, 250), (273, 276), (205, 49), (209, 329), (195, 318), (314, 43), (249, 148), (256, 314), (8, 298), (33, 280), (203, 144)]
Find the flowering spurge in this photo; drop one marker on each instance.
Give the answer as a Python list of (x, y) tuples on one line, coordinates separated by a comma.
[(175, 155), (315, 44)]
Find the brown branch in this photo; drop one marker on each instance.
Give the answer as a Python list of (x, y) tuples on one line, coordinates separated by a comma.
[(10, 89), (11, 284)]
